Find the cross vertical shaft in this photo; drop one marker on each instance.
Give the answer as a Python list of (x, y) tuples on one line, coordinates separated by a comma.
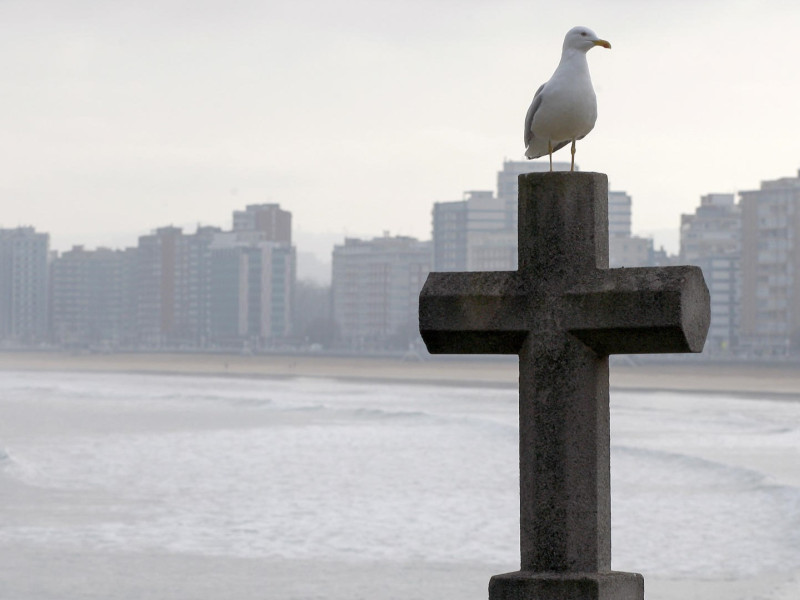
[(565, 502)]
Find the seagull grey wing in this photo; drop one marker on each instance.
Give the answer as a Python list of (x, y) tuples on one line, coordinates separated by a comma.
[(537, 101)]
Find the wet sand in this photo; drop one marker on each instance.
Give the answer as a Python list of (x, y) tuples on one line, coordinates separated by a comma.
[(750, 379)]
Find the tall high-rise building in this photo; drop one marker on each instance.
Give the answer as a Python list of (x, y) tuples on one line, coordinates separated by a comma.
[(229, 275), (619, 214), (24, 277), (375, 291), (251, 289), (172, 287), (91, 297), (711, 239), (70, 309), (194, 287), (770, 267), (473, 235), (156, 278), (274, 222), (253, 270)]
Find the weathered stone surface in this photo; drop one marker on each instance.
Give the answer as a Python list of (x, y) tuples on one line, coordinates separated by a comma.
[(563, 312)]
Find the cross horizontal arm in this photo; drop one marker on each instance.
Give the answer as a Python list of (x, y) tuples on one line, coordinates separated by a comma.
[(472, 313), (640, 310)]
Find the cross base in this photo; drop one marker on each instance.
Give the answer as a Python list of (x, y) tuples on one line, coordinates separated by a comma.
[(528, 585)]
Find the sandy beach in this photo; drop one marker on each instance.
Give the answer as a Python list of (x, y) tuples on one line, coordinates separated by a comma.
[(762, 379)]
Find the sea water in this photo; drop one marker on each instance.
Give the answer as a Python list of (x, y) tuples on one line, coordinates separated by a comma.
[(128, 486)]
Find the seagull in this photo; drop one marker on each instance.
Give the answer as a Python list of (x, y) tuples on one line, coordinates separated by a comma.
[(565, 108)]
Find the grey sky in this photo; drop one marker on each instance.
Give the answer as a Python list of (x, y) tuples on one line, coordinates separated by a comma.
[(120, 117)]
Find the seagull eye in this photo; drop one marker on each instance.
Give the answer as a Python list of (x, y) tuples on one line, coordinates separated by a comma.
[(583, 33)]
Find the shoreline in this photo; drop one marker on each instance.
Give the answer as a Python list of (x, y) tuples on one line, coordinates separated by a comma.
[(772, 380)]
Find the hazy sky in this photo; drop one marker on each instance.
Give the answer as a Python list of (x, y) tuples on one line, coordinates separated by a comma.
[(357, 115)]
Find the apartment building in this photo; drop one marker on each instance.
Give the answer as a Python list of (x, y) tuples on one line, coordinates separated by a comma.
[(375, 291), (711, 238), (770, 267), (24, 285)]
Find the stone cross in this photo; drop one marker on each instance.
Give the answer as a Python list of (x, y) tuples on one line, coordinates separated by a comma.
[(563, 312)]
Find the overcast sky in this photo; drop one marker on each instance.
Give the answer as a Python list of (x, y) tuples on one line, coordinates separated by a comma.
[(120, 117)]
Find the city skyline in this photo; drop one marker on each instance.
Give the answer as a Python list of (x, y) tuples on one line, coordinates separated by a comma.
[(354, 115), (208, 288), (215, 288)]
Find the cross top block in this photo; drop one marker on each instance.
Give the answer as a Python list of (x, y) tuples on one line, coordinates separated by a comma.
[(564, 284), (563, 312)]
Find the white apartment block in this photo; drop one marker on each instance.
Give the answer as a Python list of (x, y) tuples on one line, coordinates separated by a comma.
[(375, 291)]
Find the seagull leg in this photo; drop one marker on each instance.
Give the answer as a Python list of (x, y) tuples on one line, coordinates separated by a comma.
[(572, 164), (550, 152)]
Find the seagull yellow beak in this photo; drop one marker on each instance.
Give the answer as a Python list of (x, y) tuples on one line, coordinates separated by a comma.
[(602, 43)]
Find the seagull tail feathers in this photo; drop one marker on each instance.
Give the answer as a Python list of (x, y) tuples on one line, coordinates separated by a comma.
[(536, 148)]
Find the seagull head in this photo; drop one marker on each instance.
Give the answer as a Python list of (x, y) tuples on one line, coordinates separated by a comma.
[(583, 39)]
